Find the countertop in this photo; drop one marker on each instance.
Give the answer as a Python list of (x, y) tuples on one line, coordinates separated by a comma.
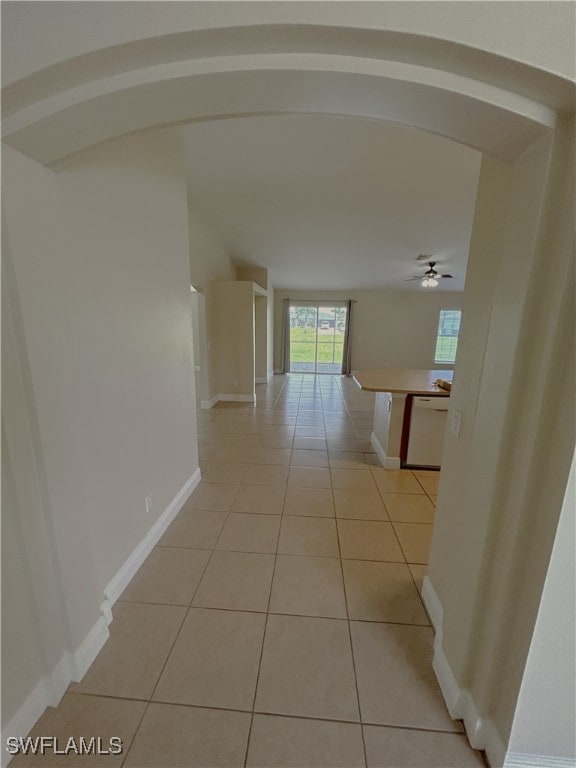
[(402, 381)]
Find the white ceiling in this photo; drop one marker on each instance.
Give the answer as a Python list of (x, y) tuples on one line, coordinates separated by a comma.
[(334, 203)]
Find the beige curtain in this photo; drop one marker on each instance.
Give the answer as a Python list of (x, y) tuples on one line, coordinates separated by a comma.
[(285, 342), (347, 354)]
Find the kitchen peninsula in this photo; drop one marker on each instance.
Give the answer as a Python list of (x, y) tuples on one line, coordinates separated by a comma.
[(396, 389)]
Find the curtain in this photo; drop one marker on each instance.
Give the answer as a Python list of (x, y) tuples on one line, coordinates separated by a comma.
[(285, 341), (347, 352)]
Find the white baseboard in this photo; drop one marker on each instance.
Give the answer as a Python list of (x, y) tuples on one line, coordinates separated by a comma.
[(72, 667), (521, 760), (123, 577), (264, 379), (482, 733), (388, 462), (237, 398), (433, 605), (278, 370), (207, 404), (90, 648), (26, 716)]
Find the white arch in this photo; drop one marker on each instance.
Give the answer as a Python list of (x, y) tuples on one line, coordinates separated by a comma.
[(473, 97)]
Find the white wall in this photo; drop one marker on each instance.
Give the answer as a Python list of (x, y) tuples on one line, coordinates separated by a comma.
[(260, 337), (232, 331), (86, 27), (505, 474), (390, 329), (209, 259), (546, 710), (270, 330), (100, 260)]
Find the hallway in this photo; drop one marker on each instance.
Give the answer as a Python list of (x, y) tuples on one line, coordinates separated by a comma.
[(280, 609)]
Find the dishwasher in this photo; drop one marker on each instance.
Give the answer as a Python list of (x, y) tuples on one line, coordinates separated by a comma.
[(426, 435)]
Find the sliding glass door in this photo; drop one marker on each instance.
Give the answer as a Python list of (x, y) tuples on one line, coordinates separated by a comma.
[(316, 337)]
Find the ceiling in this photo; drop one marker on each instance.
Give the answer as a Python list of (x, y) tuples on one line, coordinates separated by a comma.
[(334, 203)]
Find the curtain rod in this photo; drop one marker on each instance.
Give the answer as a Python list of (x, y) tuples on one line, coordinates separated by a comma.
[(320, 301)]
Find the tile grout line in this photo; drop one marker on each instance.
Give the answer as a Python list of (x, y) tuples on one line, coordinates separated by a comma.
[(350, 633), (263, 638), (186, 614), (282, 613), (272, 713)]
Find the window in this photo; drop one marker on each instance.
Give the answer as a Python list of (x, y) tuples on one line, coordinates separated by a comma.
[(447, 339)]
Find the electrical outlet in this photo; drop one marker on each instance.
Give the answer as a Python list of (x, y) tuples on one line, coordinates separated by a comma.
[(148, 501), (236, 383)]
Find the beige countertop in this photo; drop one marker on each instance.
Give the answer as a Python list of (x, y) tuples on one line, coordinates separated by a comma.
[(402, 381)]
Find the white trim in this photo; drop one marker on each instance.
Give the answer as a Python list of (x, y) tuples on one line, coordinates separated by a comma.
[(90, 648), (120, 581), (50, 688), (482, 733), (388, 462), (261, 379), (521, 760), (278, 370), (59, 680), (25, 717), (206, 404), (237, 398), (433, 604), (106, 611), (72, 667)]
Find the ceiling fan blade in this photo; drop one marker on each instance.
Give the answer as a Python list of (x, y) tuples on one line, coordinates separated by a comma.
[(407, 280), (450, 276)]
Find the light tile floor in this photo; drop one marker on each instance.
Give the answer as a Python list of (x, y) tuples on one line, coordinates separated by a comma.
[(278, 622)]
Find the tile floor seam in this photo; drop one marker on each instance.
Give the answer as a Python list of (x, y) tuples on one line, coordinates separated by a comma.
[(263, 641), (183, 620), (133, 739), (350, 634), (272, 713)]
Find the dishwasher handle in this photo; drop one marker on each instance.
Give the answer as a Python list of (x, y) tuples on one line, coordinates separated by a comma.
[(431, 403)]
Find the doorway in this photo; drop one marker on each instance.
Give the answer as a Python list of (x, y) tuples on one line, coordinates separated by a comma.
[(317, 332)]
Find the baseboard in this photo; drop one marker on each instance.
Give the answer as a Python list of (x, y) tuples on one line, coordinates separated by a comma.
[(433, 605), (388, 462), (207, 404), (279, 370), (26, 716), (237, 398), (72, 667), (261, 379), (522, 760), (123, 577), (482, 733), (59, 680), (90, 648)]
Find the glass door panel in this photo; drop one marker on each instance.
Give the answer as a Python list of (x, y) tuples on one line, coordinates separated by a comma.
[(317, 338)]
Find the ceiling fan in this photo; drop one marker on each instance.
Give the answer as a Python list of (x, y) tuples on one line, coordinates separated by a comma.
[(430, 277)]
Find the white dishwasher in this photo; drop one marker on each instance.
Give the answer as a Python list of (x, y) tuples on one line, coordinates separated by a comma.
[(427, 427)]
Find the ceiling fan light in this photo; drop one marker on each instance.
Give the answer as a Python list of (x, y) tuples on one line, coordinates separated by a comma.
[(433, 283), (425, 283)]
